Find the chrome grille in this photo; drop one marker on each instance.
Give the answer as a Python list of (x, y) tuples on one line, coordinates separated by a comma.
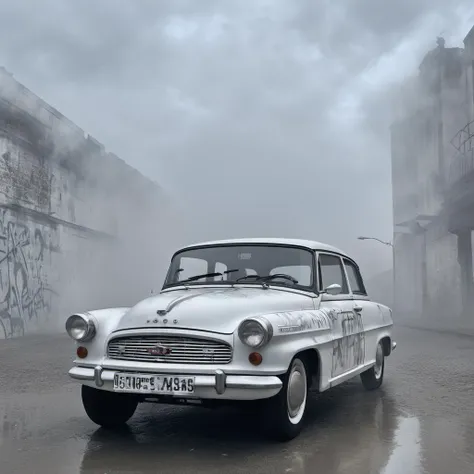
[(184, 350)]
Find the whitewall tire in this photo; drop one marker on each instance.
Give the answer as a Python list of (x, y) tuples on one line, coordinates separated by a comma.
[(373, 377), (285, 412)]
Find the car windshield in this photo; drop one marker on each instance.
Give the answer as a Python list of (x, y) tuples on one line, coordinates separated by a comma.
[(242, 264)]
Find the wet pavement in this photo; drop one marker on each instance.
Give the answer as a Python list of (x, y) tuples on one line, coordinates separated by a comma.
[(421, 421)]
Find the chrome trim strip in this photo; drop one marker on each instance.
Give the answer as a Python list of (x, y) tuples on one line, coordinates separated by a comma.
[(299, 291), (351, 373)]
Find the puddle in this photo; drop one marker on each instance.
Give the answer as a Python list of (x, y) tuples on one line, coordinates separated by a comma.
[(406, 454), (349, 432)]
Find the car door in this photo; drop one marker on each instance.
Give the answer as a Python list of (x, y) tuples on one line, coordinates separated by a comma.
[(367, 314), (340, 308)]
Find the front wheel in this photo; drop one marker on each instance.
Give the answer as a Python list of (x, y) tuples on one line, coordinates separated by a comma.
[(108, 409), (373, 378), (285, 412)]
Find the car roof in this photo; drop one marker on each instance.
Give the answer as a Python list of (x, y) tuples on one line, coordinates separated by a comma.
[(310, 244)]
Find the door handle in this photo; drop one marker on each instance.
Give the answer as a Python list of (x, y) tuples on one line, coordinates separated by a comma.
[(358, 308)]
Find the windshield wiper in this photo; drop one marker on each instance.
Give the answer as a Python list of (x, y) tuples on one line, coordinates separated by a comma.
[(204, 275), (280, 275), (269, 277), (264, 279), (257, 277), (231, 271)]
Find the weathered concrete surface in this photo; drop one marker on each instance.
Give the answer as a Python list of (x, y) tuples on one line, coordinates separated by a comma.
[(421, 422), (432, 172), (72, 216)]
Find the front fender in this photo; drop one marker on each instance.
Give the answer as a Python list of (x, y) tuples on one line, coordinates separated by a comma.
[(105, 321), (293, 332), (281, 351), (386, 335)]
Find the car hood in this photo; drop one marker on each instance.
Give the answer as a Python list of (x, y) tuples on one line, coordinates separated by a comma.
[(210, 309)]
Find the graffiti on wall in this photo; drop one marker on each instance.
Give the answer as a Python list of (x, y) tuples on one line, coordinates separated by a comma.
[(25, 295), (25, 180)]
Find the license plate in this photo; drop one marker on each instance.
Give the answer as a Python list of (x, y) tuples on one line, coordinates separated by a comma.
[(161, 384)]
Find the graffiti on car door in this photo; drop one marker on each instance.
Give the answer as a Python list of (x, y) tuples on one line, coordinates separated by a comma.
[(349, 347)]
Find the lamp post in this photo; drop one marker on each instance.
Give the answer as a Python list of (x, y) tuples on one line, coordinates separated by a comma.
[(388, 244), (378, 240)]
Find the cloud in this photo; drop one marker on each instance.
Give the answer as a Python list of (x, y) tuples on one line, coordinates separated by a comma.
[(261, 118)]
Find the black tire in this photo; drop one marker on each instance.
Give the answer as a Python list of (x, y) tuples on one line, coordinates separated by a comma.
[(372, 378), (108, 409), (279, 422)]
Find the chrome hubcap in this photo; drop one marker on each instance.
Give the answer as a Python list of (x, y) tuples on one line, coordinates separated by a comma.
[(378, 362), (296, 393)]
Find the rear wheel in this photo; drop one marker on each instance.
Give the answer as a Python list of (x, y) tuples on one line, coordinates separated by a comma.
[(108, 409), (373, 378), (285, 412)]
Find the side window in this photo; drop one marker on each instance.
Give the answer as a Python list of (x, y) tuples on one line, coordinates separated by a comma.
[(331, 272), (355, 278)]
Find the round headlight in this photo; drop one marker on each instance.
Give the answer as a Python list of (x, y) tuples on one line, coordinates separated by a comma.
[(80, 327), (255, 333)]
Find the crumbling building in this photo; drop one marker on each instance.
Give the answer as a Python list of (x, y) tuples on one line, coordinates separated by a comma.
[(432, 145), (79, 228)]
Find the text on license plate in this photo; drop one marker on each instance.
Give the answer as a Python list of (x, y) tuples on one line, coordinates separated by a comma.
[(153, 383)]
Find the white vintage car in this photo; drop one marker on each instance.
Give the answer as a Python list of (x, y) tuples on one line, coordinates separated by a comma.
[(238, 320)]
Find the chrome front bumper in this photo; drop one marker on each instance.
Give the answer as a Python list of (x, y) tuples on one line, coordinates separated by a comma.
[(219, 385)]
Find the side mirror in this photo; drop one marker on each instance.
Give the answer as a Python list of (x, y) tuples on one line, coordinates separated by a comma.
[(333, 289)]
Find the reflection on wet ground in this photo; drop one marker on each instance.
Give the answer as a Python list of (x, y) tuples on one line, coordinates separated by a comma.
[(406, 454), (226, 441), (349, 431)]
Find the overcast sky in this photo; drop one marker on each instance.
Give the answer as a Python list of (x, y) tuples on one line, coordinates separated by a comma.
[(261, 118)]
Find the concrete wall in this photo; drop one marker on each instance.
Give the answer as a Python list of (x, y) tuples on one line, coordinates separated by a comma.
[(444, 277), (427, 261), (79, 228)]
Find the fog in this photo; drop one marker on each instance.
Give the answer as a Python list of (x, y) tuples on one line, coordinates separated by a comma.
[(117, 228), (256, 118)]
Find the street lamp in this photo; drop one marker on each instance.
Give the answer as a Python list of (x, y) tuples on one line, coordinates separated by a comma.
[(378, 240)]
